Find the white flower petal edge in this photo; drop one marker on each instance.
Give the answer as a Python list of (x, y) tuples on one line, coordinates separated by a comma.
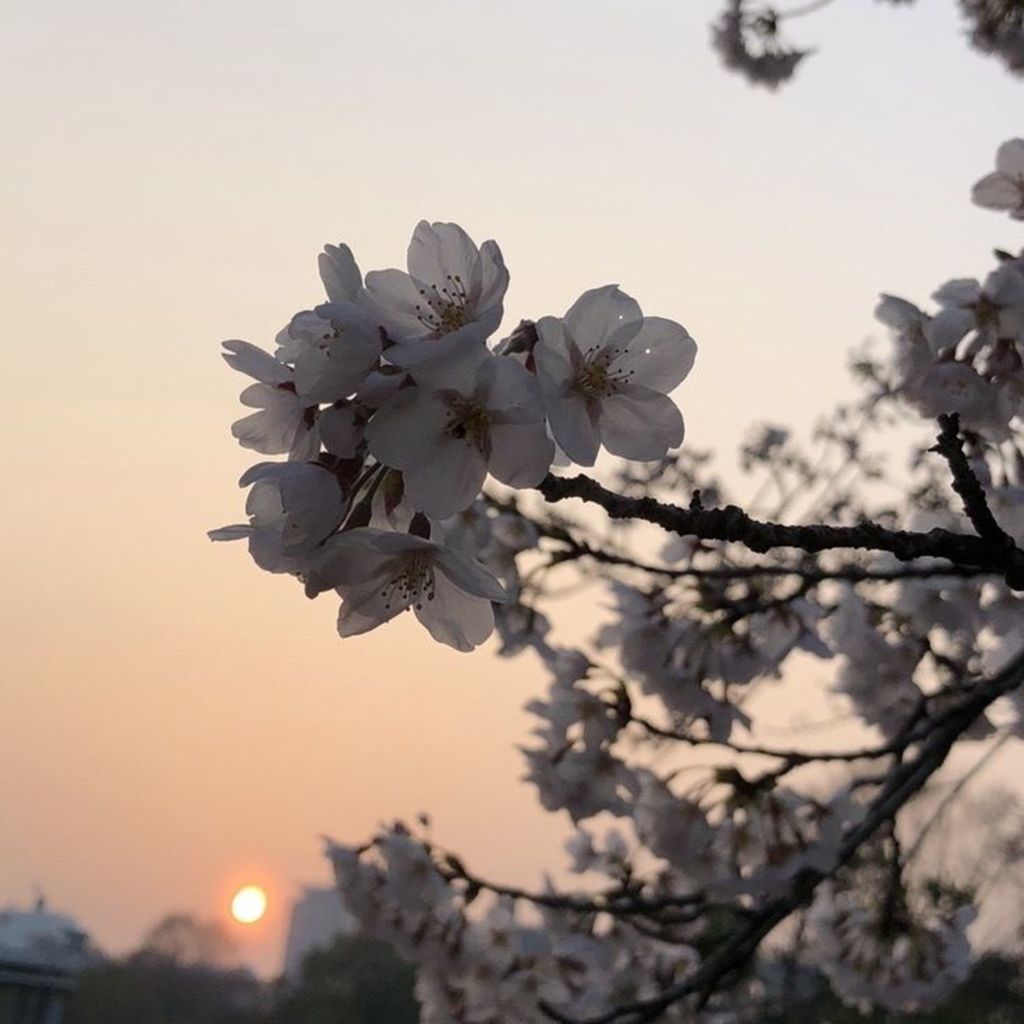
[(339, 273), (381, 574), (1003, 189)]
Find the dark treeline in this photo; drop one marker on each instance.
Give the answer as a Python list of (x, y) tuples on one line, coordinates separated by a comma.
[(180, 976)]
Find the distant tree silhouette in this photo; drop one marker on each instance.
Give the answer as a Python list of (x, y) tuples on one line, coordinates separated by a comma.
[(355, 981), (178, 976)]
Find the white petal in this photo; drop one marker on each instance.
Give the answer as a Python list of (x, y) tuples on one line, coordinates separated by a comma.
[(305, 330), (448, 480), (439, 253), (312, 501), (450, 362), (1010, 158), (504, 383), (392, 543), (236, 532), (1005, 285), (406, 431), (334, 370), (555, 354), (659, 355), (393, 300), (370, 605), (306, 446), (254, 362), (639, 423), (341, 430), (348, 560), (573, 428), (272, 431), (601, 312), (997, 192), (962, 291), (521, 453), (897, 313), (456, 618), (493, 278), (339, 273), (948, 327), (469, 575)]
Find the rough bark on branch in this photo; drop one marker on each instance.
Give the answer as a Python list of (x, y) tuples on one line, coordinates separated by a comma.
[(732, 524)]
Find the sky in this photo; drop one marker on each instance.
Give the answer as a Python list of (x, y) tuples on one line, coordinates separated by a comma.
[(174, 722)]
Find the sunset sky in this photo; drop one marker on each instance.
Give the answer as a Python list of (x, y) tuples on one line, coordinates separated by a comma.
[(174, 722)]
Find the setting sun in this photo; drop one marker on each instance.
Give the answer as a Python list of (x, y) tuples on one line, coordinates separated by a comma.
[(249, 904)]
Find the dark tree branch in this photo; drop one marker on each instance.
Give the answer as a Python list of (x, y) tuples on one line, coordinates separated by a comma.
[(793, 758), (992, 550), (618, 902), (811, 573), (965, 483)]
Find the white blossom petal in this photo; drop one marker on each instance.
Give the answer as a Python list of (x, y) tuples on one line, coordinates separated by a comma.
[(469, 575), (341, 430), (441, 252), (659, 355), (601, 312), (454, 617), (339, 273), (404, 432), (1010, 158), (640, 423), (521, 453), (449, 482), (997, 192), (254, 362), (573, 428)]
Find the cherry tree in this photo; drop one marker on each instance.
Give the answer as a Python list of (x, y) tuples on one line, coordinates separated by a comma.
[(425, 465)]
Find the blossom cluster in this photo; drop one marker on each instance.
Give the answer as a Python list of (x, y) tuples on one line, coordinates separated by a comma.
[(968, 356), (393, 409)]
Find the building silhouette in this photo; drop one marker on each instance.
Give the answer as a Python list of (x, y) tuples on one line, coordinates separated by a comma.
[(317, 919), (41, 955)]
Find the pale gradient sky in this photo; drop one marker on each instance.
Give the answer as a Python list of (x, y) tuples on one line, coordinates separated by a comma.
[(171, 719)]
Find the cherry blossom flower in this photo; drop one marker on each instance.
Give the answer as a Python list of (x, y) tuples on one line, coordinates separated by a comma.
[(993, 310), (750, 44), (292, 508), (338, 358), (482, 415), (947, 387), (1003, 189), (285, 421), (452, 286), (605, 370), (380, 575)]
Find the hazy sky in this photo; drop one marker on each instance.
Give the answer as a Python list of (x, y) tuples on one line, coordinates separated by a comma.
[(172, 719)]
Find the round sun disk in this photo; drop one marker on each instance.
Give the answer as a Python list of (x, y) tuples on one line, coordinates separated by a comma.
[(249, 904)]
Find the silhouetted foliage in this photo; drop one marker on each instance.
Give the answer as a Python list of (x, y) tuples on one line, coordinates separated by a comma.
[(357, 981), (168, 981), (994, 994)]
